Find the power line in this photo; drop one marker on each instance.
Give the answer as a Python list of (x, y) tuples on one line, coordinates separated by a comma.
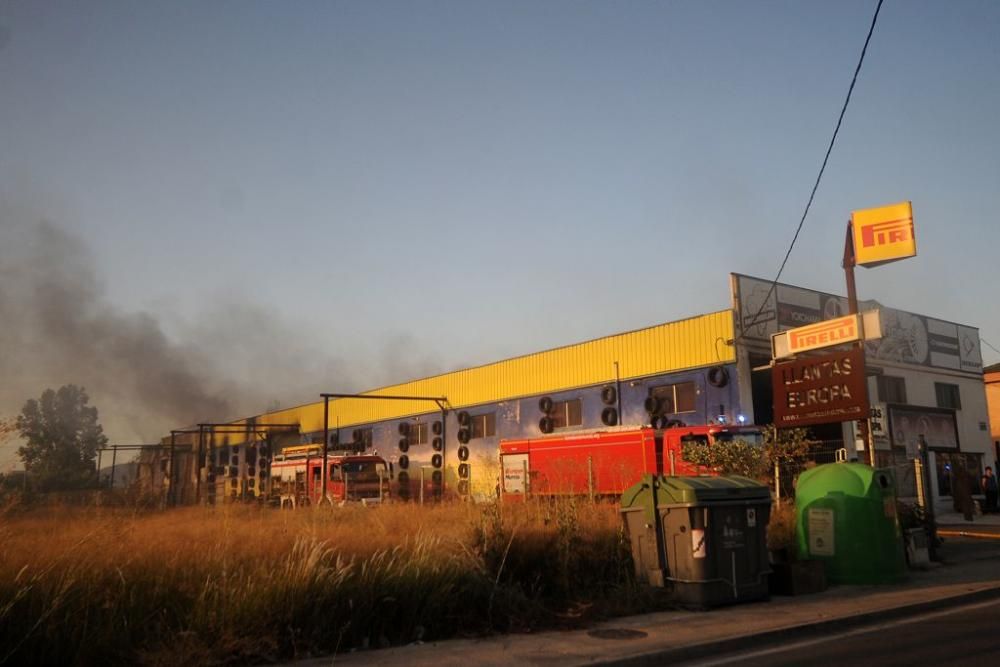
[(819, 177), (987, 344)]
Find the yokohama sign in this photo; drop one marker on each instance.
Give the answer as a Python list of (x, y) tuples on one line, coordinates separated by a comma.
[(820, 390)]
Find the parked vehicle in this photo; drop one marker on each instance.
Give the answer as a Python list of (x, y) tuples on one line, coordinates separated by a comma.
[(297, 477), (604, 462)]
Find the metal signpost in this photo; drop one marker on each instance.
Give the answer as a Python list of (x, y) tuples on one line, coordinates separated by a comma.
[(875, 236), (834, 387)]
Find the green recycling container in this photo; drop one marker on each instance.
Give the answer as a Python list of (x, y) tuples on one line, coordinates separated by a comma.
[(702, 538), (847, 519)]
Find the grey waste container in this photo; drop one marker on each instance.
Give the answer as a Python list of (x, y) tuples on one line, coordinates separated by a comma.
[(704, 539)]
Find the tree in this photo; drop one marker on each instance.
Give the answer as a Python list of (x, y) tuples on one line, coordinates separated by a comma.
[(63, 435), (789, 449)]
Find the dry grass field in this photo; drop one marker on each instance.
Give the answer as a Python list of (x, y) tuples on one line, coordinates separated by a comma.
[(239, 584)]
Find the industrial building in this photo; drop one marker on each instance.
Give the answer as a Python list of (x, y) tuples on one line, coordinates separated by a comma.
[(925, 378)]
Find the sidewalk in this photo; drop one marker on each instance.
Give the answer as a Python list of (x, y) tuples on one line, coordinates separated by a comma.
[(971, 572), (983, 526), (956, 519)]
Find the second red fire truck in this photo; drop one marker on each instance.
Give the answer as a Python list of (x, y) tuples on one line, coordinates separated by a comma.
[(603, 463)]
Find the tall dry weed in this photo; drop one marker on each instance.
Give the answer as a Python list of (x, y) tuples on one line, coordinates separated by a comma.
[(237, 584)]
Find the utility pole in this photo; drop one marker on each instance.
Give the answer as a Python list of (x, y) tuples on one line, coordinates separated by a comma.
[(864, 425), (326, 442)]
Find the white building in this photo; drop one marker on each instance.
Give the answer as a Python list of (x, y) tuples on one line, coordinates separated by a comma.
[(925, 378)]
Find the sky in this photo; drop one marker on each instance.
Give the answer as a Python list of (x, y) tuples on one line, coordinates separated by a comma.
[(298, 197)]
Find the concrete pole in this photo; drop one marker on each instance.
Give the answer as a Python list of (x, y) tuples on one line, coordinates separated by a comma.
[(929, 498), (590, 477), (864, 425), (326, 446)]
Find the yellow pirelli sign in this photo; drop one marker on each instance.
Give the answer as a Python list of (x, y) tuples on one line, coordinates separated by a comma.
[(883, 234)]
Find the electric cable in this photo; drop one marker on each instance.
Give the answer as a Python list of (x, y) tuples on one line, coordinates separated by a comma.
[(987, 344), (819, 177)]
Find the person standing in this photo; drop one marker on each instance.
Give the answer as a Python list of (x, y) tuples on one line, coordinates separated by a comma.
[(990, 489), (962, 485)]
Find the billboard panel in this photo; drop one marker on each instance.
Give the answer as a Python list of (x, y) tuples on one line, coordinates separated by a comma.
[(907, 424), (906, 337)]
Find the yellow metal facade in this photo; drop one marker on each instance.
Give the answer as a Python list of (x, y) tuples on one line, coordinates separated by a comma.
[(664, 348)]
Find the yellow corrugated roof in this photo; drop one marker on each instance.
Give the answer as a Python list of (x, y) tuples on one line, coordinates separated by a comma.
[(663, 348)]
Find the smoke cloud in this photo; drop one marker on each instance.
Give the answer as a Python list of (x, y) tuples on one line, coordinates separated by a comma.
[(57, 327)]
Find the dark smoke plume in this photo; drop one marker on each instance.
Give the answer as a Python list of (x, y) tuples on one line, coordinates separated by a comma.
[(58, 327)]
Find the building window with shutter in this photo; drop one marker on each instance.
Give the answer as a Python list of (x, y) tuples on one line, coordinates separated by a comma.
[(567, 413), (676, 398), (891, 389), (484, 426), (418, 433), (947, 396)]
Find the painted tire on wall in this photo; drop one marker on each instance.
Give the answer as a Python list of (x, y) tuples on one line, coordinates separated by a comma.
[(463, 453), (546, 425), (609, 417), (463, 435), (437, 444), (404, 445), (545, 404), (718, 376), (609, 395), (437, 427)]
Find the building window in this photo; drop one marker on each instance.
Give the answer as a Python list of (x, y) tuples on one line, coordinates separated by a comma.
[(418, 433), (676, 398), (891, 389), (567, 413), (947, 396), (484, 426), (361, 438)]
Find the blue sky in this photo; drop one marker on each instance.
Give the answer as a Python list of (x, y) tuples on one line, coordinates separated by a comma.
[(417, 186)]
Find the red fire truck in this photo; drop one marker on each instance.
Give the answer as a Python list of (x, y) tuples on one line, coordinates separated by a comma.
[(296, 477), (605, 462)]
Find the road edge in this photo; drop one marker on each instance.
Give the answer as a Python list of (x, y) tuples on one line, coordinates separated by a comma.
[(769, 638)]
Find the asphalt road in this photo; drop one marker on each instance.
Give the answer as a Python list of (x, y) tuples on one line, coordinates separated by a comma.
[(968, 635)]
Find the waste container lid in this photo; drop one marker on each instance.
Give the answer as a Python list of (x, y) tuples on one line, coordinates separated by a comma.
[(662, 491), (851, 479)]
